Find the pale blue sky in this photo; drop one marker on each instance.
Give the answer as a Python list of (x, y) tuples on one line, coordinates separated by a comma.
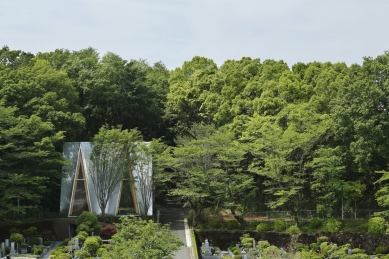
[(174, 31)]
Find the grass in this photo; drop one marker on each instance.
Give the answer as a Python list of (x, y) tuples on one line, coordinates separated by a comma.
[(194, 245)]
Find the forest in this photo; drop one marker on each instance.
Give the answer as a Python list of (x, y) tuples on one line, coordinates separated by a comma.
[(249, 135)]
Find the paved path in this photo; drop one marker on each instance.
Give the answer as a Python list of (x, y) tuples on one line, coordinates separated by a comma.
[(46, 256), (175, 216)]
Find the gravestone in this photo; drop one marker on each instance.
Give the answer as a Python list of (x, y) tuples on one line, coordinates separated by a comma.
[(208, 251), (40, 241), (76, 243), (7, 242), (13, 248), (2, 246)]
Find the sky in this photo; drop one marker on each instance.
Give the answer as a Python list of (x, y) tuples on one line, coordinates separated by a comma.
[(174, 31)]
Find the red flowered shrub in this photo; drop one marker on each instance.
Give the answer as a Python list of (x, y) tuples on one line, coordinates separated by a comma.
[(108, 231)]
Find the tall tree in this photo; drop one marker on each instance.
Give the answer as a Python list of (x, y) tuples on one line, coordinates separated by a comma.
[(111, 159)]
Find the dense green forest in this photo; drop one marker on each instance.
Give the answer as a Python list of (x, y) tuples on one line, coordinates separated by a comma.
[(249, 135)]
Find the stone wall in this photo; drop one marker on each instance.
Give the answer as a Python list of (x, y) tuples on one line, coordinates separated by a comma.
[(225, 238)]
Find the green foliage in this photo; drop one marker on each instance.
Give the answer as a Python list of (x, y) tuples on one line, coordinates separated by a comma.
[(293, 230), (262, 245), (137, 237), (100, 251), (315, 223), (321, 240), (87, 222), (332, 225), (301, 247), (17, 238), (37, 250), (91, 244), (376, 225), (64, 242), (263, 227), (358, 251), (82, 254), (280, 225), (7, 250), (381, 250), (216, 224), (34, 241), (232, 224), (82, 235), (30, 232), (46, 243), (246, 241)]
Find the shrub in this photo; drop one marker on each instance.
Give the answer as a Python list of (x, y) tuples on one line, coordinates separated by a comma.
[(314, 246), (293, 230), (215, 224), (246, 241), (87, 222), (262, 245), (315, 223), (100, 251), (82, 235), (358, 251), (301, 247), (91, 244), (34, 241), (262, 227), (7, 250), (17, 238), (108, 231), (65, 242), (321, 240), (47, 243), (237, 256), (82, 254), (279, 225), (37, 250), (376, 225), (30, 232), (332, 225), (381, 250), (232, 224)]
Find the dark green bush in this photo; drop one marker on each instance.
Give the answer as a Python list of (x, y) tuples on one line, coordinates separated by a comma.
[(376, 225), (47, 243), (280, 225), (34, 241), (215, 224), (7, 250), (263, 227), (315, 223), (65, 242), (87, 222), (232, 224), (381, 250)]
